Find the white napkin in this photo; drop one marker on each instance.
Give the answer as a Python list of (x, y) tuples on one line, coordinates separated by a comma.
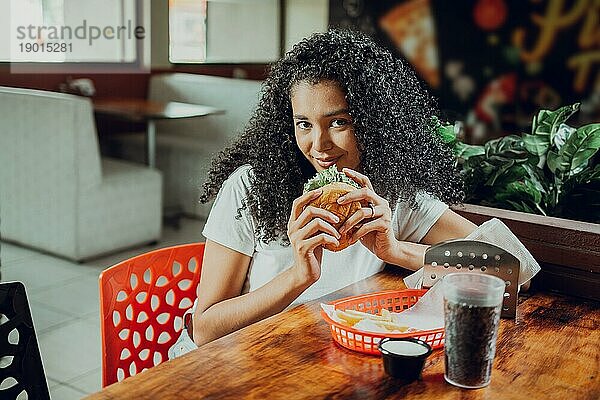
[(493, 231), (427, 313)]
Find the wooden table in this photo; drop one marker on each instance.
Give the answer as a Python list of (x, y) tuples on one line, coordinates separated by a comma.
[(140, 110), (552, 351)]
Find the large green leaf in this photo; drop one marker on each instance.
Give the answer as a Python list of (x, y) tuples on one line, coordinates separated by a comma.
[(576, 152), (544, 127), (536, 144), (529, 187), (505, 145), (501, 156), (465, 151), (515, 173), (549, 121), (520, 196), (499, 171), (536, 177), (520, 190)]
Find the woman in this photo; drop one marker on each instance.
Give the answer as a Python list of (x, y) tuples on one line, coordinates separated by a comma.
[(335, 98)]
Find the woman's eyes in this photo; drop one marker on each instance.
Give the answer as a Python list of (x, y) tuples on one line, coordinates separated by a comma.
[(336, 123)]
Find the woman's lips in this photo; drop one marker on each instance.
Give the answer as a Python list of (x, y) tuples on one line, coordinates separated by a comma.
[(326, 162)]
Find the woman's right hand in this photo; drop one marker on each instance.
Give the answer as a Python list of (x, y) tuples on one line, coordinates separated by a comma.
[(309, 229)]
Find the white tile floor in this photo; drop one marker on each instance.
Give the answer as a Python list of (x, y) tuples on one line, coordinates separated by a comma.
[(65, 306)]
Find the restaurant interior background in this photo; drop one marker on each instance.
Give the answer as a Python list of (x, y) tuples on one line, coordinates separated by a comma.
[(492, 64)]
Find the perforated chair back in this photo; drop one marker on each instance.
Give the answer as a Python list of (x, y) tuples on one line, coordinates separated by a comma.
[(21, 368), (142, 302)]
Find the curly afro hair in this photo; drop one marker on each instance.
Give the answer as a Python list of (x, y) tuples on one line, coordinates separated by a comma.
[(391, 114)]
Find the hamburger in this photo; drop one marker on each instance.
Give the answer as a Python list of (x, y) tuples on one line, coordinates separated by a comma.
[(334, 185)]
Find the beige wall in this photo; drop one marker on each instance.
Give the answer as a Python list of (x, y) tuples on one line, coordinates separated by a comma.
[(304, 17)]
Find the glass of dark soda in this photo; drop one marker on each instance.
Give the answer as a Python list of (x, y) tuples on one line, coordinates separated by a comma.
[(472, 306)]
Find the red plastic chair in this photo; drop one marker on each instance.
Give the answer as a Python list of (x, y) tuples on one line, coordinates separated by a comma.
[(142, 302)]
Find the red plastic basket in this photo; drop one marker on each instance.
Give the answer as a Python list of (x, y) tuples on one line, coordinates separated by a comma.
[(394, 301)]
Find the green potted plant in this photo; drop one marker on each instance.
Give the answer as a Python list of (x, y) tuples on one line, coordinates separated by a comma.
[(552, 171)]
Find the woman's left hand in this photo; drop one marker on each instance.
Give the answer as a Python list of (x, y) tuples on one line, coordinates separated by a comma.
[(376, 232)]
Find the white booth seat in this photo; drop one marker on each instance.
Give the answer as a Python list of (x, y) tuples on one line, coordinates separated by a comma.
[(185, 147), (56, 193)]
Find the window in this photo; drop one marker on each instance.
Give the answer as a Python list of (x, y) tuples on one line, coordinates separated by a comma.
[(76, 31), (224, 31), (187, 31)]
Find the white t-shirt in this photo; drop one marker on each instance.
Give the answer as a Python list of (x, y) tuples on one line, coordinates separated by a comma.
[(338, 270), (269, 259)]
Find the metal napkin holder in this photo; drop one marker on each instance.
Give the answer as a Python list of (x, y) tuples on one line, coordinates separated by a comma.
[(473, 256)]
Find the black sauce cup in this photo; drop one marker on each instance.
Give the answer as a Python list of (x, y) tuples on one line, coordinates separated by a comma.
[(404, 361)]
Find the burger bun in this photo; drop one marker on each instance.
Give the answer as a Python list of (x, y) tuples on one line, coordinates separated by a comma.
[(328, 201)]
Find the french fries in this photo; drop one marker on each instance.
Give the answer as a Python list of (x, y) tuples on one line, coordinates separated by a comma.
[(385, 320), (348, 318)]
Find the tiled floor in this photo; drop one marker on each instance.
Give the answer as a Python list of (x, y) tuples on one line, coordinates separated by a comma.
[(65, 306)]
